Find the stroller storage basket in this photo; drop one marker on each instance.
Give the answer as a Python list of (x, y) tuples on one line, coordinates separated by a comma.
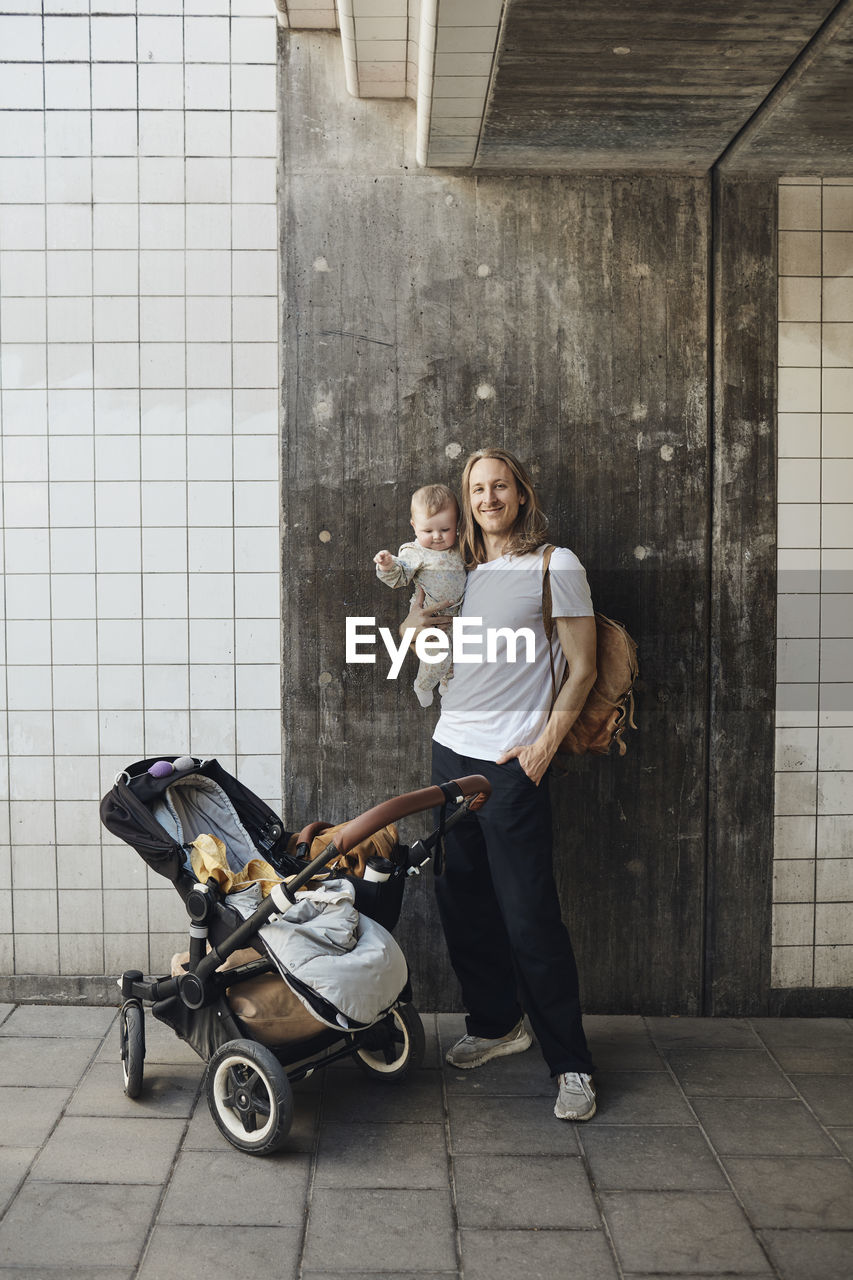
[(323, 935)]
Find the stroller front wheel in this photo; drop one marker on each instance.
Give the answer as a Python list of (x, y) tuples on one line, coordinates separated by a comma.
[(394, 1047), (249, 1096), (131, 1026)]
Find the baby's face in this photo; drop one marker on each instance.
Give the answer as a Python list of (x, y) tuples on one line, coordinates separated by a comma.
[(437, 532)]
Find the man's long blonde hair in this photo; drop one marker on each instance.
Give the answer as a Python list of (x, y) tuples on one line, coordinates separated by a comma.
[(531, 523)]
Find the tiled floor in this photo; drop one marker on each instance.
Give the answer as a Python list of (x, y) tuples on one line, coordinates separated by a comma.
[(721, 1148)]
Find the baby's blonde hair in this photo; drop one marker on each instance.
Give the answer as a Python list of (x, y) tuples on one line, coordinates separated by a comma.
[(432, 498)]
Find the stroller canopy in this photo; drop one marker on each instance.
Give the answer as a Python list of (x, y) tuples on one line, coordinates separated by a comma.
[(160, 817)]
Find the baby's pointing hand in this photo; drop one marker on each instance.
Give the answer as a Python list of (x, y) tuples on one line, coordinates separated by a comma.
[(384, 559)]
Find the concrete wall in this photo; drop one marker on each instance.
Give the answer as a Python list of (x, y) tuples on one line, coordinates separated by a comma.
[(742, 342), (566, 318)]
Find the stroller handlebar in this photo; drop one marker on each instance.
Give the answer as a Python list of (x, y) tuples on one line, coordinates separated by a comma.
[(475, 787), (307, 834)]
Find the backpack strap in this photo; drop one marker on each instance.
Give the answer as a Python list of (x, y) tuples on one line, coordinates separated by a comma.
[(547, 619)]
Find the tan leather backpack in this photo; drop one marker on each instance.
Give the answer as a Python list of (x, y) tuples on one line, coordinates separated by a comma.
[(609, 708)]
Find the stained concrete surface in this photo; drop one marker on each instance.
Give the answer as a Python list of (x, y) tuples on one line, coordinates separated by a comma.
[(721, 1148)]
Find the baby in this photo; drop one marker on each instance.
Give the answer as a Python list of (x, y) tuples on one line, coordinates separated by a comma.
[(432, 561)]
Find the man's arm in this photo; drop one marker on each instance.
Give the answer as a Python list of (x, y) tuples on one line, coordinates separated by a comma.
[(577, 640)]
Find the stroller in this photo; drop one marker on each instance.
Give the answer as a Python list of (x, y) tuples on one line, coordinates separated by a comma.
[(291, 963)]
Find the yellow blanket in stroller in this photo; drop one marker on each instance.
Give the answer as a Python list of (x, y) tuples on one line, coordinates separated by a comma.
[(209, 860)]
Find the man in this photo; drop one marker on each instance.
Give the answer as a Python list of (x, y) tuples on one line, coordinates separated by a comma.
[(497, 898)]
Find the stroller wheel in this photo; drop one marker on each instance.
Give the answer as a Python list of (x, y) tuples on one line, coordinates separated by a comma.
[(249, 1096), (394, 1047), (131, 1026)]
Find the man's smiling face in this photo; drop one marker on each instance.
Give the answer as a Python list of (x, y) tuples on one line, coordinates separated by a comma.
[(495, 497)]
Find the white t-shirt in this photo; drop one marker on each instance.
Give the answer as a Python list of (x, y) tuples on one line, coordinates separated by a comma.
[(489, 707)]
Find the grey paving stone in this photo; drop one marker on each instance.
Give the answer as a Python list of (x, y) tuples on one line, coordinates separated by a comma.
[(797, 1191), (106, 1149), (509, 1126), (272, 1190), (697, 1275), (523, 1191), (89, 1272), (29, 1114), (402, 1228), (179, 1252), (810, 1255), (77, 1223), (727, 1073), (831, 1097), (703, 1033), (166, 1091), (823, 1033), (384, 1275), (38, 1060), (5, 1010), (524, 1074), (381, 1155), (761, 1127), (679, 1231), (621, 1042), (14, 1163), (813, 1059), (650, 1158), (844, 1138), (536, 1255), (79, 1021), (203, 1135), (639, 1097), (416, 1099), (821, 1046)]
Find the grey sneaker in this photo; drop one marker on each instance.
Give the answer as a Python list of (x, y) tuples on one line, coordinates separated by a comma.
[(576, 1099), (473, 1051)]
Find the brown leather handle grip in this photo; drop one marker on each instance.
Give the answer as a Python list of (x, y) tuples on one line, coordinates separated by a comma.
[(380, 815)]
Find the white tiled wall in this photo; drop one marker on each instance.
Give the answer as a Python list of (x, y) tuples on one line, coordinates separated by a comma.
[(138, 389), (813, 865)]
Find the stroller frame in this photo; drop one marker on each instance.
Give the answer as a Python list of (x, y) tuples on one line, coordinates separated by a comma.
[(248, 1083)]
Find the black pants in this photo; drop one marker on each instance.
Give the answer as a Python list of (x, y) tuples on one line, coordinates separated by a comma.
[(501, 915)]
